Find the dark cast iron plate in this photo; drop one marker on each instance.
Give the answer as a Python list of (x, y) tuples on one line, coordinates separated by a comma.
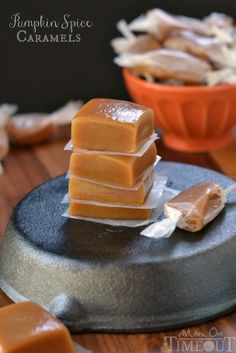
[(102, 278)]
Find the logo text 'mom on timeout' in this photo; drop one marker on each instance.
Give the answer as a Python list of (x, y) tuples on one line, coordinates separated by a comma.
[(192, 340)]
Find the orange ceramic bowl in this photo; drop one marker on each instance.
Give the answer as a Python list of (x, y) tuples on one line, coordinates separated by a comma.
[(193, 118)]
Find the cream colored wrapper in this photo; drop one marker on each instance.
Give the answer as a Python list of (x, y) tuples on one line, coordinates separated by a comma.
[(226, 75), (139, 153), (6, 112), (175, 218), (164, 228), (165, 64), (60, 117), (65, 114)]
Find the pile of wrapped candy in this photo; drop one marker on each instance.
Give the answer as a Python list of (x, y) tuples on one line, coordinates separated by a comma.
[(31, 128), (179, 50)]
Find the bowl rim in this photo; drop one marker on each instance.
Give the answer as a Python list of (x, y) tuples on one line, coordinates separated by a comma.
[(153, 85)]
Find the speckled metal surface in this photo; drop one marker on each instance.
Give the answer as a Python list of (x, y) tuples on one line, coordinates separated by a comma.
[(103, 278)]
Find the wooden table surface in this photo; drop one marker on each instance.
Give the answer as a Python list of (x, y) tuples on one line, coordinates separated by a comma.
[(26, 168)]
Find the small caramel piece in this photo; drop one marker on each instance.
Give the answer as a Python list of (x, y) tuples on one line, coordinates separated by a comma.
[(91, 211), (192, 43), (198, 205), (219, 20), (139, 44), (216, 77), (112, 169), (166, 64), (84, 190), (160, 24), (112, 125), (27, 328), (29, 129)]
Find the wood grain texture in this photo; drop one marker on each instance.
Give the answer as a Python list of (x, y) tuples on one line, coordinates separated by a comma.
[(26, 168), (226, 158)]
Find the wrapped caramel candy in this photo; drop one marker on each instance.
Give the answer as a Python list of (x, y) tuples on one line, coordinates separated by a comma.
[(139, 44), (167, 64), (195, 25), (212, 39), (6, 111), (226, 75), (215, 25), (33, 128), (192, 43), (216, 19), (27, 129), (130, 43), (160, 24), (223, 56), (221, 25), (191, 210), (65, 114)]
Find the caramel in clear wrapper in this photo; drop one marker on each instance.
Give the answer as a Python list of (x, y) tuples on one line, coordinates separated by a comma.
[(192, 43), (226, 75), (220, 20), (198, 205), (160, 24), (27, 129), (166, 64), (139, 44), (191, 210)]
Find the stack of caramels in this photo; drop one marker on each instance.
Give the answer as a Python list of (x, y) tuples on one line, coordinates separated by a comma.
[(111, 167)]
